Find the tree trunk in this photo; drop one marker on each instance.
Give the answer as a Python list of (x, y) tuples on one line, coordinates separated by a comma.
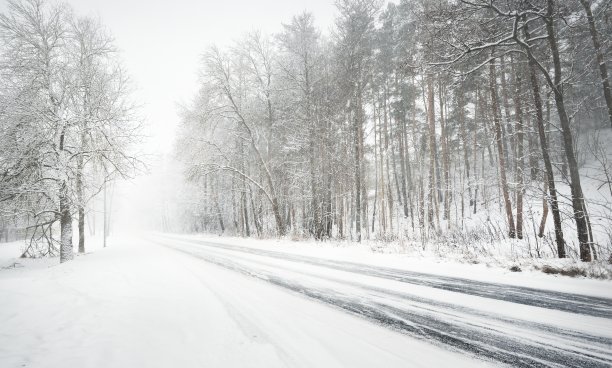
[(445, 158), (66, 253), (533, 155), (81, 229), (507, 132), (545, 215), (464, 138), (357, 127), (520, 165), (80, 198), (575, 186), (554, 203), (402, 150), (256, 219), (601, 62), (386, 156), (500, 149), (432, 150), (475, 151)]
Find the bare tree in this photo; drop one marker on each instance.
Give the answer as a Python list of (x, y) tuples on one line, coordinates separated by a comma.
[(74, 102)]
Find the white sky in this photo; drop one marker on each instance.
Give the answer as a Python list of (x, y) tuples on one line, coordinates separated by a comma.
[(161, 44)]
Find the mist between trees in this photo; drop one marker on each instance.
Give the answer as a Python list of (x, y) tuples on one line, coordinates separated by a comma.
[(66, 123), (417, 122)]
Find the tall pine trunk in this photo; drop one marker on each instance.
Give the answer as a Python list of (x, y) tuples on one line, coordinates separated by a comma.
[(554, 203), (357, 151), (575, 185), (432, 150), (445, 157), (520, 165), (599, 57), (500, 149)]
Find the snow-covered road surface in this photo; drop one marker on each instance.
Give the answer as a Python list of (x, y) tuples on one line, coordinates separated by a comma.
[(520, 326), (181, 301), (138, 304)]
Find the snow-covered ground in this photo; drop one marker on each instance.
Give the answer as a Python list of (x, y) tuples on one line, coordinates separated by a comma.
[(168, 300), (138, 304)]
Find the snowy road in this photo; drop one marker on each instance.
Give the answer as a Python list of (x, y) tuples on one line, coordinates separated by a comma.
[(519, 326)]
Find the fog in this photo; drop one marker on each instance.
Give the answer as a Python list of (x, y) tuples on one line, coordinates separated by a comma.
[(328, 183), (161, 45)]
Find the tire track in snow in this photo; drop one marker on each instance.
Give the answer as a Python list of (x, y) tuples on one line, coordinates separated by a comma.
[(489, 343), (424, 303), (574, 303)]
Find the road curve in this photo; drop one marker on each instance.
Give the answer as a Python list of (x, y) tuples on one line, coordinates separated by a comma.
[(367, 291)]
